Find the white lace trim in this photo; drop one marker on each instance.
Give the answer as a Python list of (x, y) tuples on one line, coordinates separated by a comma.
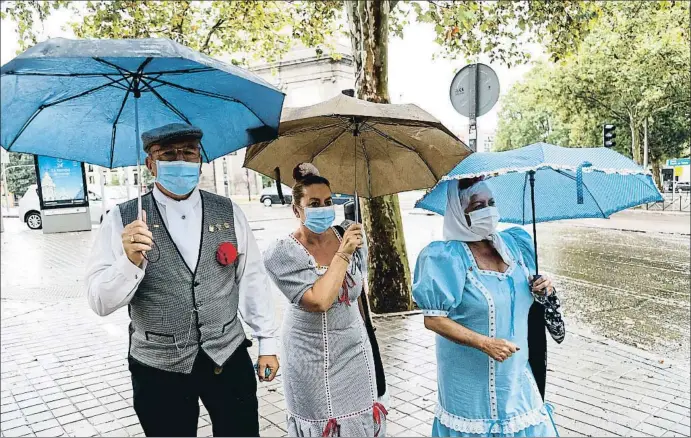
[(501, 249), (435, 313), (482, 426), (491, 320), (323, 421), (506, 170)]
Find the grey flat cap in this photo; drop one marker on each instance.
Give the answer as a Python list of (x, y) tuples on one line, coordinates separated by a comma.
[(166, 133)]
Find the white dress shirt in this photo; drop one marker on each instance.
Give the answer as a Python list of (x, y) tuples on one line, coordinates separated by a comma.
[(112, 279)]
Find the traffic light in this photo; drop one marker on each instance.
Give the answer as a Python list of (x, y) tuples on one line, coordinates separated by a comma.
[(608, 136)]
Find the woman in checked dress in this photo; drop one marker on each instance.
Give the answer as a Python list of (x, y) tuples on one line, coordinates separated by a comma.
[(329, 375)]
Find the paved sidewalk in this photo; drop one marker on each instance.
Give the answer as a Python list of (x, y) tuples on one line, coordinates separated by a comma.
[(64, 373), (64, 369)]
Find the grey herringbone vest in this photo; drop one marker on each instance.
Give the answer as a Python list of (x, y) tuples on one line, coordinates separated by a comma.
[(175, 311)]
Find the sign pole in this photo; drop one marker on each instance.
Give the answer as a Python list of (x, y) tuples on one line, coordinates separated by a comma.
[(473, 92), (472, 95)]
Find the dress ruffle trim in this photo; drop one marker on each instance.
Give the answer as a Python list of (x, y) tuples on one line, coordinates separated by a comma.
[(484, 426), (368, 422)]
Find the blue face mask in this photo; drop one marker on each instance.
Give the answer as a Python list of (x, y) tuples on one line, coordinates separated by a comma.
[(178, 177), (319, 219)]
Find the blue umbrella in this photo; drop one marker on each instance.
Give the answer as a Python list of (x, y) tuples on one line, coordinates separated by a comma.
[(87, 100), (543, 182)]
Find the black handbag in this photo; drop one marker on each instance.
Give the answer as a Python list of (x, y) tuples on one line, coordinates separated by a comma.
[(378, 365)]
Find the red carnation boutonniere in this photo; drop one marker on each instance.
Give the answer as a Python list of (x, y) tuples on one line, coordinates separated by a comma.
[(226, 253)]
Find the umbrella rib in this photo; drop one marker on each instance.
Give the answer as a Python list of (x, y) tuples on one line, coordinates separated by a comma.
[(182, 71), (333, 140), (266, 145), (48, 105), (121, 70), (209, 94), (572, 178), (525, 184), (587, 189), (369, 170), (388, 137), (122, 87), (115, 128), (76, 75), (174, 110), (310, 129), (57, 75), (596, 203)]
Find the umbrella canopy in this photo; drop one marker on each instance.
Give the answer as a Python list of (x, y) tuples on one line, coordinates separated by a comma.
[(363, 148), (78, 99), (570, 183)]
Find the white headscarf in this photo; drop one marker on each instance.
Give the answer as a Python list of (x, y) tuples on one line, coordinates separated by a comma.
[(455, 223)]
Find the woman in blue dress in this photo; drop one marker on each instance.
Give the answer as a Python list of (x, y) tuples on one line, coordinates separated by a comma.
[(475, 291)]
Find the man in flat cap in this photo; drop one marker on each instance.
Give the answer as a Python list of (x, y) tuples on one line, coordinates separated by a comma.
[(186, 270)]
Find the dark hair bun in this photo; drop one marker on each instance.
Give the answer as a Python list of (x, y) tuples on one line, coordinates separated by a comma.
[(303, 171), (466, 183)]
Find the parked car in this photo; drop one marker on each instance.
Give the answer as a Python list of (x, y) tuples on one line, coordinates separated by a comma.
[(339, 199), (30, 207), (683, 186), (269, 196)]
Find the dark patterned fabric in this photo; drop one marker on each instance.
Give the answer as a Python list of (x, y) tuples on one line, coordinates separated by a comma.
[(553, 319)]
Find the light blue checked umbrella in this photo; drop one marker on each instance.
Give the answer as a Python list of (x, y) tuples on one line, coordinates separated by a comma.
[(543, 182), (87, 100)]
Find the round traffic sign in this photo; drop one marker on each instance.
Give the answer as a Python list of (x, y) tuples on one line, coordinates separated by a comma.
[(487, 90)]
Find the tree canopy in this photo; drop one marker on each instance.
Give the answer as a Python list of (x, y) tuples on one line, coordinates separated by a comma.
[(266, 29), (20, 173), (631, 67)]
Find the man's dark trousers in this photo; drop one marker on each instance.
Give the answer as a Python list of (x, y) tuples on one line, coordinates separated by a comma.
[(167, 403)]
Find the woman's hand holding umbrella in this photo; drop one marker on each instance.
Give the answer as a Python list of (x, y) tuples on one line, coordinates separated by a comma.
[(352, 240), (541, 285)]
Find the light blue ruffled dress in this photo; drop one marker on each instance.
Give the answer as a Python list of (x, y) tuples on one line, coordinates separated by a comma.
[(479, 396)]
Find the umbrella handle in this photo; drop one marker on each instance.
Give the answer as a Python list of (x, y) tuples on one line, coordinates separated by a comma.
[(139, 164), (536, 277), (532, 201), (357, 208)]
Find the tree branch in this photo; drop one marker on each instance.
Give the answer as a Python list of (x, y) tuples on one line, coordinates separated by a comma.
[(182, 18), (600, 103), (669, 105), (204, 48)]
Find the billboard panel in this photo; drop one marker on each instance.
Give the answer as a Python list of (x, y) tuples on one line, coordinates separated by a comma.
[(62, 183)]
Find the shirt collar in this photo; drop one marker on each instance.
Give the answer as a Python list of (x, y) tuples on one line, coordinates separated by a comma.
[(182, 206)]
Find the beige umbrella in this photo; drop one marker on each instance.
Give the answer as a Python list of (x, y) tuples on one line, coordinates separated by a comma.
[(363, 148)]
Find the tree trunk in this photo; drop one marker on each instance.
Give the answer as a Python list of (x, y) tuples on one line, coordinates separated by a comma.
[(635, 141), (656, 166), (389, 273)]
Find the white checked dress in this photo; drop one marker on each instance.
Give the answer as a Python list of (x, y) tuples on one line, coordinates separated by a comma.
[(328, 370)]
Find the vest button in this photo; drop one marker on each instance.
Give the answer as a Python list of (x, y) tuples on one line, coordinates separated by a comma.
[(196, 284)]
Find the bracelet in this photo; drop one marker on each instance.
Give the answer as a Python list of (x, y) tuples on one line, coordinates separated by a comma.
[(343, 257)]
